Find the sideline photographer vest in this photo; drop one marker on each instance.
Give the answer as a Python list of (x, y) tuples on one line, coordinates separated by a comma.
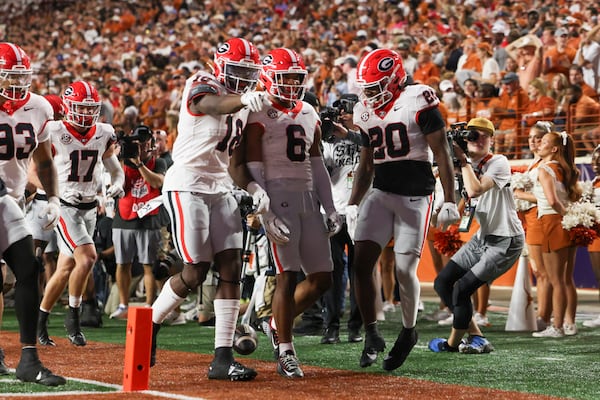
[(137, 192)]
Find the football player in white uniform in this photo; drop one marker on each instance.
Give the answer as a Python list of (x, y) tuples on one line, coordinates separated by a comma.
[(23, 116), (284, 156), (205, 220), (80, 145), (401, 127)]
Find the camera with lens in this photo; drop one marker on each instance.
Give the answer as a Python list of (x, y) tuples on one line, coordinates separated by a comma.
[(130, 144), (460, 135), (245, 202), (329, 115)]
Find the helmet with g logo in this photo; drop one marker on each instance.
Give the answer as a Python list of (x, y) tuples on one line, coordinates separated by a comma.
[(380, 75), (237, 65)]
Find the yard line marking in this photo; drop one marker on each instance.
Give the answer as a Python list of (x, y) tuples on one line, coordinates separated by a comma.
[(118, 388)]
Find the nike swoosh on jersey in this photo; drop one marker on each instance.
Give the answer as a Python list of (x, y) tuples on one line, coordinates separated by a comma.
[(28, 108)]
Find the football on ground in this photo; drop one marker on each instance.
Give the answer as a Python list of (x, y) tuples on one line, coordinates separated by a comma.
[(245, 340)]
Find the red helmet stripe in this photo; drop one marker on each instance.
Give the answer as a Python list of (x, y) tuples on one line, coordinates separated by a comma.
[(247, 49), (17, 53), (293, 57), (88, 89), (363, 65)]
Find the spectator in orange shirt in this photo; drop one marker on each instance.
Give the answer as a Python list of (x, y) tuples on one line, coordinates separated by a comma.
[(469, 60), (558, 59), (426, 69), (507, 114), (576, 78), (584, 118), (541, 107)]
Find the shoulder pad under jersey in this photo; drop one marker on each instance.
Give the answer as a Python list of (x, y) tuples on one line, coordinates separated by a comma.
[(199, 90)]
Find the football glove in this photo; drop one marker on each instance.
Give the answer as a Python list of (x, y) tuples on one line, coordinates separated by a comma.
[(260, 198), (334, 223), (51, 213), (277, 231), (115, 191), (448, 215), (253, 100)]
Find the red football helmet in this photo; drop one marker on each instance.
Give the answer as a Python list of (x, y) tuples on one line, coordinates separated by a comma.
[(284, 74), (57, 106), (83, 104), (237, 65), (380, 75), (15, 72)]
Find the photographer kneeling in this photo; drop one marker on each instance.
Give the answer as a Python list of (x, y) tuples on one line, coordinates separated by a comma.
[(135, 235), (492, 250)]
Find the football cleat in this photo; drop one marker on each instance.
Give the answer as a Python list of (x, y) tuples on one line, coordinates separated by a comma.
[(230, 372), (402, 347), (288, 366), (374, 344)]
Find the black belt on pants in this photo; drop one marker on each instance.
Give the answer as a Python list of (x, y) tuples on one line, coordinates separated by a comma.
[(81, 206), (40, 196)]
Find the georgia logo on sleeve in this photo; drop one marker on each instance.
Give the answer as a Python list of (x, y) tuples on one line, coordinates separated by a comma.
[(364, 116)]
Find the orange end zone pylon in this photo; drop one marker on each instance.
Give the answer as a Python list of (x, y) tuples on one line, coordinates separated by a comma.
[(137, 349)]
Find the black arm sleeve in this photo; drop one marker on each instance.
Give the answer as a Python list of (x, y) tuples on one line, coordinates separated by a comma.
[(431, 120)]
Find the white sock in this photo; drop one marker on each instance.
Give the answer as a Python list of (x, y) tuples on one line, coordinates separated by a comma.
[(74, 301), (166, 302), (226, 315), (283, 347)]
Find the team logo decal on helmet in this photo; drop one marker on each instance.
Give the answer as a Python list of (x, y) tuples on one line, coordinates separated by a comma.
[(267, 60), (385, 64), (224, 48)]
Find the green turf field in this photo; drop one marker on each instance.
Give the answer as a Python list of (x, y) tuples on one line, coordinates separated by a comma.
[(567, 367)]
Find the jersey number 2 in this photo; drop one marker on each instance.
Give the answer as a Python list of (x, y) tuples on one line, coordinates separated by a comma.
[(393, 141)]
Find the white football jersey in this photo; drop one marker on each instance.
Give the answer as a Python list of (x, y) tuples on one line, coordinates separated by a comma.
[(204, 144), (21, 129), (78, 158), (287, 138), (394, 131)]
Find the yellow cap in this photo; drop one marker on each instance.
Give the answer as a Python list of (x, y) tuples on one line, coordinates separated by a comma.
[(482, 124)]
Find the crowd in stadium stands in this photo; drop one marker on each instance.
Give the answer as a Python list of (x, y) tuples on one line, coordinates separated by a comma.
[(542, 58)]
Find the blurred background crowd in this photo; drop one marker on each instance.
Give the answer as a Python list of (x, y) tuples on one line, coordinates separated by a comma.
[(515, 62)]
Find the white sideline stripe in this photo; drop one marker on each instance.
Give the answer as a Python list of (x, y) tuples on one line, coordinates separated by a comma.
[(118, 388)]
